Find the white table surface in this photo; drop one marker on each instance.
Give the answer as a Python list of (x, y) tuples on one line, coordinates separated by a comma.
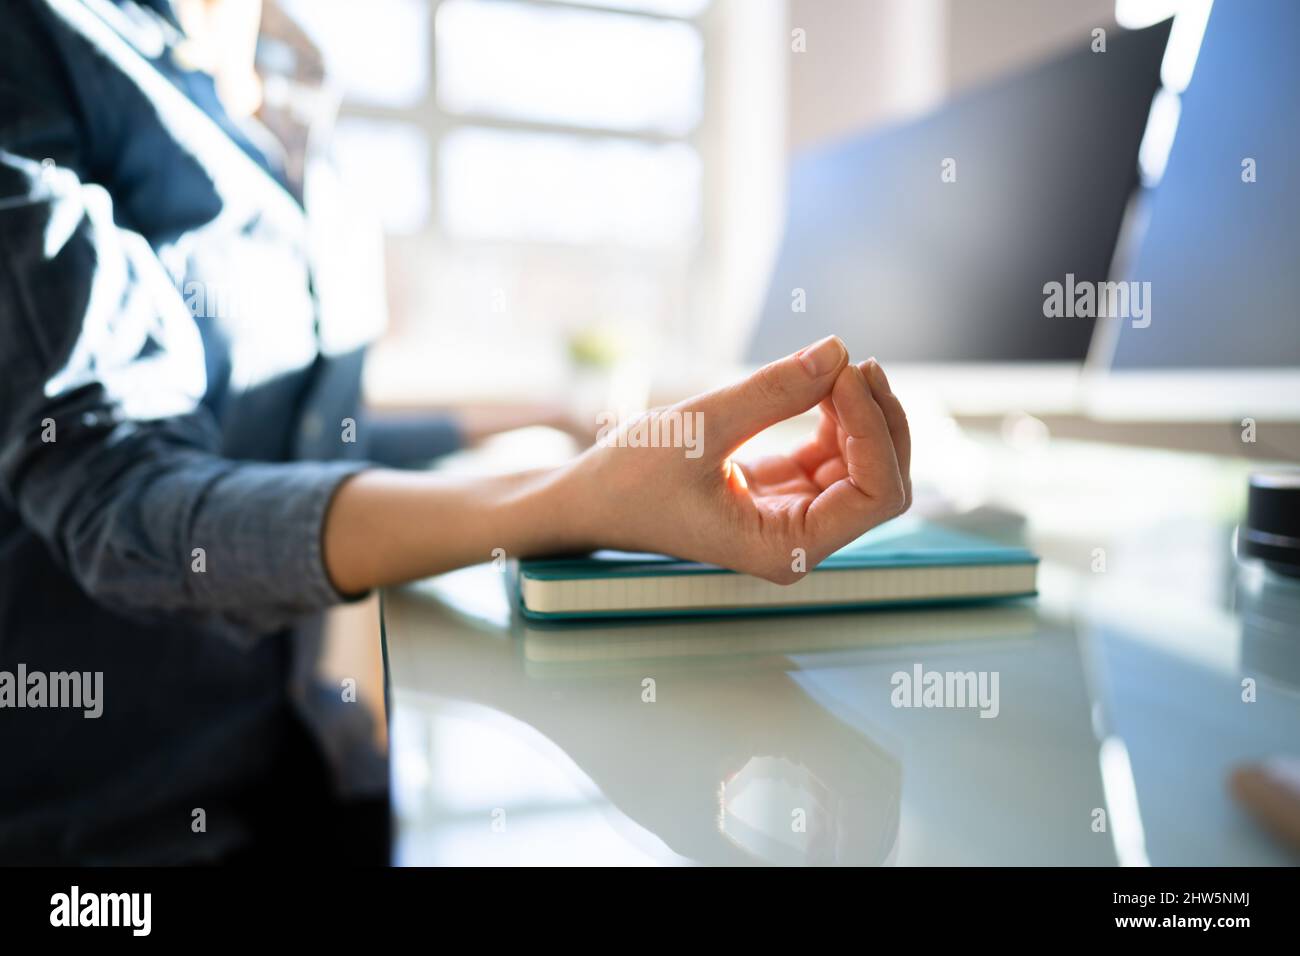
[(775, 739)]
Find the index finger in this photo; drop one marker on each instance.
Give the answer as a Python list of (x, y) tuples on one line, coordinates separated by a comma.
[(873, 491), (895, 418)]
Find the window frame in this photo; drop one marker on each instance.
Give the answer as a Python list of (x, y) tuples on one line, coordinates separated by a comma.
[(435, 123)]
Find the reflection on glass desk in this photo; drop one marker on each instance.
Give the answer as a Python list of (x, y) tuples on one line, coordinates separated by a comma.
[(782, 740)]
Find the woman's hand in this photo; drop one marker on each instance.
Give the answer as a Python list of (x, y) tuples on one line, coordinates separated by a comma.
[(666, 482)]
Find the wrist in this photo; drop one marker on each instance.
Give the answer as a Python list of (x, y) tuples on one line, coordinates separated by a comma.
[(554, 510)]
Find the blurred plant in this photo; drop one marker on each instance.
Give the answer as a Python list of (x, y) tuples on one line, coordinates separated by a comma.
[(593, 347)]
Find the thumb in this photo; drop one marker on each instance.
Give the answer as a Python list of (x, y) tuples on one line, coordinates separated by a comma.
[(777, 391)]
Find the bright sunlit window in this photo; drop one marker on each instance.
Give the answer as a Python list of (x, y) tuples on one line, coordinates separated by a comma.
[(377, 51), (558, 141), (548, 187), (539, 63)]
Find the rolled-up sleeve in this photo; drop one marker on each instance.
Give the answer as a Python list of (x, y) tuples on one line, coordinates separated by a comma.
[(106, 451)]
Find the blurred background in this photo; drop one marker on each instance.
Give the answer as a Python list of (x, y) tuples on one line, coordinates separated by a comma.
[(578, 184), (616, 204)]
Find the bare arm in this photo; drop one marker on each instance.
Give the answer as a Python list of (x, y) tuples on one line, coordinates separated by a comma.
[(386, 527)]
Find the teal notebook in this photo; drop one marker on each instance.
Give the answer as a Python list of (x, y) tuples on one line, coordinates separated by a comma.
[(905, 561)]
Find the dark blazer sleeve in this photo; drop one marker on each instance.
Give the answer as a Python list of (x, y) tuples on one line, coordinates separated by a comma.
[(106, 451)]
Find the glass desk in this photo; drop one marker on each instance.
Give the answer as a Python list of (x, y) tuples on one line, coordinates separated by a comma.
[(1119, 715)]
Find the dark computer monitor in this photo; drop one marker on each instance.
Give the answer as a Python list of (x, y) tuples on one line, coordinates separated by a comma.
[(1222, 253), (907, 267)]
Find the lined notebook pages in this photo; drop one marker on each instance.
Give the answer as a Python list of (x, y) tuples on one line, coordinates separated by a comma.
[(906, 561)]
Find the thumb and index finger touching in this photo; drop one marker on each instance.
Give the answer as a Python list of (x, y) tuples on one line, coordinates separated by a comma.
[(777, 391), (877, 446), (877, 453)]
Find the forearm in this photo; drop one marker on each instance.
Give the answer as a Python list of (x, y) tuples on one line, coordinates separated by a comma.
[(385, 527), (411, 439)]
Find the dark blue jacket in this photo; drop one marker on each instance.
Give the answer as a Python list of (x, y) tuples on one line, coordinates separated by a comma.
[(173, 423)]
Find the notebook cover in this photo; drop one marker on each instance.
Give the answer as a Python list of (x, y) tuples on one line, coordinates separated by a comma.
[(905, 542)]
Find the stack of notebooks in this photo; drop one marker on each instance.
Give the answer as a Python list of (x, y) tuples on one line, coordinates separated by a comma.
[(904, 562)]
